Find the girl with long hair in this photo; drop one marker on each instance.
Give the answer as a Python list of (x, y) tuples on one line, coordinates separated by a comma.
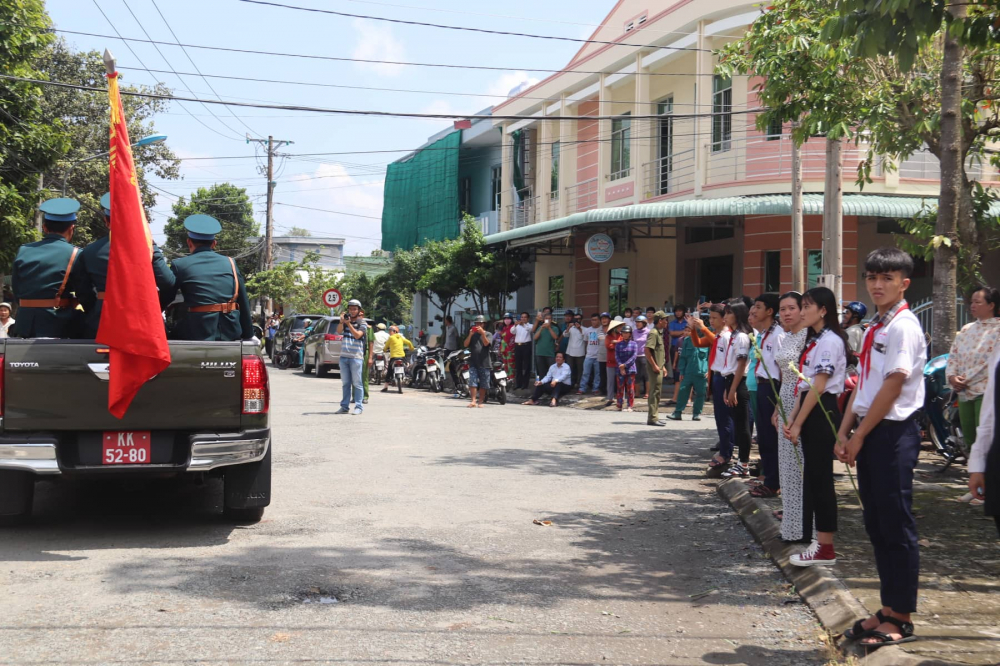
[(822, 371), (789, 471), (737, 396)]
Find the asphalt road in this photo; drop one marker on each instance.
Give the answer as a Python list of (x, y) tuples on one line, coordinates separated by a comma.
[(405, 536)]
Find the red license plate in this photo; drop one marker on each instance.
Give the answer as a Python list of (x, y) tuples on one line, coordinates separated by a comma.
[(130, 447)]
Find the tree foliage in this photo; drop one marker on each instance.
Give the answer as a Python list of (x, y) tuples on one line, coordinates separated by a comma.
[(231, 206), (30, 139), (84, 117)]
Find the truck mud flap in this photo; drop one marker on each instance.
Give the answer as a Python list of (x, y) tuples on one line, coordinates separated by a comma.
[(248, 485)]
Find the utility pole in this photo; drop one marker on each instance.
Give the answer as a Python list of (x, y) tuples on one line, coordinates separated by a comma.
[(272, 144), (798, 250), (833, 220)]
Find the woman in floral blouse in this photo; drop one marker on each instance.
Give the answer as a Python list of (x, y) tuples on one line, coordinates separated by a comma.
[(968, 364)]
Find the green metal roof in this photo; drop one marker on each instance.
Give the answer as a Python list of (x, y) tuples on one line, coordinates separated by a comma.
[(867, 205)]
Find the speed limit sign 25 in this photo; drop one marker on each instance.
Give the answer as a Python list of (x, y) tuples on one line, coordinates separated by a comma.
[(332, 298)]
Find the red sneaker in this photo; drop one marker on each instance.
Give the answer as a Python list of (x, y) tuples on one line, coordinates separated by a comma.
[(817, 554)]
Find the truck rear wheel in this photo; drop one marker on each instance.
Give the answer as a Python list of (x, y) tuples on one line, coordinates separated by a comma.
[(247, 490), (17, 494)]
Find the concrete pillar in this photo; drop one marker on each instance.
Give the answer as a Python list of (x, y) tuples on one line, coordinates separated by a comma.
[(543, 162), (507, 178), (603, 141), (645, 130), (703, 101), (567, 156)]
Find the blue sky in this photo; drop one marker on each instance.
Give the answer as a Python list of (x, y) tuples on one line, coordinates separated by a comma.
[(347, 183)]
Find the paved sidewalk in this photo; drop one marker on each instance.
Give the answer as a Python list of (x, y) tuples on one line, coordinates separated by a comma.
[(959, 618)]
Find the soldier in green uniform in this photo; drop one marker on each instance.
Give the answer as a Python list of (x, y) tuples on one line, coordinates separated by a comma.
[(213, 288), (42, 279), (90, 273), (366, 365)]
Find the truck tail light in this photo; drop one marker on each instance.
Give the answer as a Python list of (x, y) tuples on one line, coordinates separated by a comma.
[(256, 396), (1, 384), (333, 337)]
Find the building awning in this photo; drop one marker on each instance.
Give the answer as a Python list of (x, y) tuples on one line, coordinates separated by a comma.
[(865, 205)]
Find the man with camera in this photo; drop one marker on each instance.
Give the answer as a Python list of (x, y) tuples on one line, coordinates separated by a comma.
[(478, 343), (352, 357)]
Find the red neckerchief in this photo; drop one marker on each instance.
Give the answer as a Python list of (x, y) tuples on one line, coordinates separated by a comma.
[(802, 358), (865, 357)]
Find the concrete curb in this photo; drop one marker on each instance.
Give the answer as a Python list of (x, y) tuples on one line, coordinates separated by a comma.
[(829, 598)]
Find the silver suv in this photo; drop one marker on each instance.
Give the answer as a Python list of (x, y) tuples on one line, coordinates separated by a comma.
[(322, 347)]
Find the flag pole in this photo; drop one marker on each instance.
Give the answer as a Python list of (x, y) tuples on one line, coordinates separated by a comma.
[(109, 62)]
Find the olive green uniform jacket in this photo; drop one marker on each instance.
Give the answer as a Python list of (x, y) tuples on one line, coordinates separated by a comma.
[(38, 271), (205, 277)]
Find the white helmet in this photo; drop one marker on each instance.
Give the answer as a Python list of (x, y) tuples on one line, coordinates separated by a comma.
[(354, 301)]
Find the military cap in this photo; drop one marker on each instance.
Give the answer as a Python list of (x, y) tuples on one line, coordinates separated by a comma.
[(60, 210), (106, 203), (660, 314), (202, 227)]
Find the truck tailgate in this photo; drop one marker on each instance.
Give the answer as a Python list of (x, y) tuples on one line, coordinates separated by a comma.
[(52, 385)]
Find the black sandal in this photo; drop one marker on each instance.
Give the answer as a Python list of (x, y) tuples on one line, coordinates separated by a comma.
[(858, 631), (905, 632)]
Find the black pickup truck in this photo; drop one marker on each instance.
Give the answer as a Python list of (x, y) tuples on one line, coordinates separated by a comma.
[(207, 413)]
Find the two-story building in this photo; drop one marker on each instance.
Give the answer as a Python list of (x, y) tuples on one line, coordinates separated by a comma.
[(427, 192), (329, 250), (639, 155)]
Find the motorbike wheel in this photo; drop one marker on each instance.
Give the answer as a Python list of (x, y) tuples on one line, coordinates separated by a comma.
[(420, 381), (502, 395), (436, 385), (399, 383), (282, 360)]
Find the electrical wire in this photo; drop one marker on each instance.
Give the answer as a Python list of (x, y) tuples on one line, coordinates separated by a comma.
[(193, 64), (386, 114), (504, 33), (310, 56), (323, 210), (139, 60), (166, 60)]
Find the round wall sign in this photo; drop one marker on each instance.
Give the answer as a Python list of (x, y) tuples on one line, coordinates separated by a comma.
[(600, 248)]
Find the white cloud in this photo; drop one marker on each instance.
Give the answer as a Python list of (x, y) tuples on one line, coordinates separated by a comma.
[(377, 42)]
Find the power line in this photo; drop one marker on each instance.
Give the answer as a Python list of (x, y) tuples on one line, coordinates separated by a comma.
[(386, 114), (132, 51), (468, 29), (323, 210), (179, 78), (193, 64), (310, 56)]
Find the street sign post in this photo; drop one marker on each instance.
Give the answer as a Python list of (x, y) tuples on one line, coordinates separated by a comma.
[(332, 298)]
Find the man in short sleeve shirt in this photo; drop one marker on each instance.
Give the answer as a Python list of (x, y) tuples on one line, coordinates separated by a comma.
[(886, 441)]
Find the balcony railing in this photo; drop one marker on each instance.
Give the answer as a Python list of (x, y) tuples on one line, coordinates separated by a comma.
[(553, 209), (762, 158), (582, 196), (523, 212), (670, 174)]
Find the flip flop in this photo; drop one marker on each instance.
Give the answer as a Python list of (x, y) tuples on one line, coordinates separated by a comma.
[(905, 633), (858, 631)]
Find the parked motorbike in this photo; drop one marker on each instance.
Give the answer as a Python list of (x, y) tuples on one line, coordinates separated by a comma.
[(940, 413), (289, 356), (417, 367), (378, 368), (457, 366), (498, 387), (398, 373), (435, 370)]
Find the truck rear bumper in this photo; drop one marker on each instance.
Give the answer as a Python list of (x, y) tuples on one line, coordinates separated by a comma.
[(38, 453)]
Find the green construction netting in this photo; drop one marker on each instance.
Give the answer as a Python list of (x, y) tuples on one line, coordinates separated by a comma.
[(421, 196)]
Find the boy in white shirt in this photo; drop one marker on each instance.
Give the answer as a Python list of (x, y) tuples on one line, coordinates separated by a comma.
[(886, 442)]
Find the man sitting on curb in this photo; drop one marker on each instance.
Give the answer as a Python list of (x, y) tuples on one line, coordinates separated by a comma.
[(558, 381)]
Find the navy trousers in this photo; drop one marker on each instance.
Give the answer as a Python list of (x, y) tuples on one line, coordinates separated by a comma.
[(723, 417), (885, 482), (767, 434)]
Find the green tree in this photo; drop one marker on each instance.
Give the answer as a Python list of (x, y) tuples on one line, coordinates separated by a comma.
[(84, 115), (30, 139), (491, 274), (231, 206), (428, 270), (380, 299), (299, 231), (296, 286), (894, 105)]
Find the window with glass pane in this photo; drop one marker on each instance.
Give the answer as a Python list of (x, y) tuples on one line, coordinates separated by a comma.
[(555, 171), (557, 284), (617, 291), (666, 144), (772, 271), (774, 129), (814, 267), (722, 113), (465, 195), (621, 149), (495, 188)]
